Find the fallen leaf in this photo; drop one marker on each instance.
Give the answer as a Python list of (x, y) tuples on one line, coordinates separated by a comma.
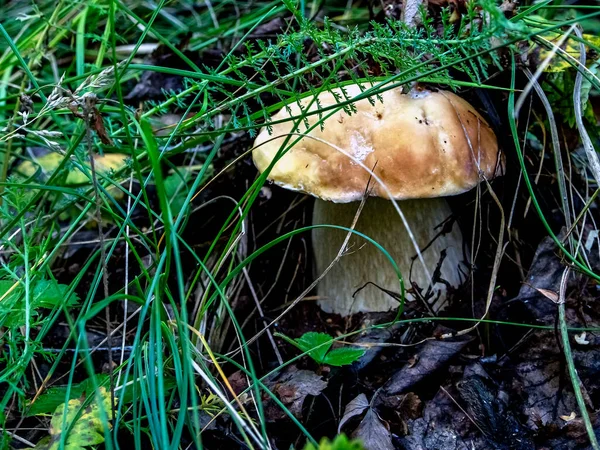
[(543, 280), (373, 433), (548, 294), (571, 47), (86, 424), (98, 125), (569, 417), (490, 413), (410, 406), (292, 387), (438, 428), (238, 381), (432, 356), (581, 339), (48, 163), (354, 408), (413, 361)]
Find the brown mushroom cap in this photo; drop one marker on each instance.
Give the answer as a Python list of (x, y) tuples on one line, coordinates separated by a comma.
[(422, 144)]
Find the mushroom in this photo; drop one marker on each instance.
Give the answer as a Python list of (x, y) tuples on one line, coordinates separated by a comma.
[(416, 147)]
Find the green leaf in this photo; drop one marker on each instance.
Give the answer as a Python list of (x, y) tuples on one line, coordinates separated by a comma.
[(48, 294), (9, 295), (343, 356), (176, 188), (341, 442), (44, 294), (86, 424), (316, 344), (43, 166), (55, 396)]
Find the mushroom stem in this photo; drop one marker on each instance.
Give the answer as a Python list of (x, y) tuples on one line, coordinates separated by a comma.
[(364, 263)]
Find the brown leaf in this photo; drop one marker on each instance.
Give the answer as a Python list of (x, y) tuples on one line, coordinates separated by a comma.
[(411, 406), (292, 387), (433, 356), (354, 408), (98, 125), (373, 433), (548, 294), (238, 381)]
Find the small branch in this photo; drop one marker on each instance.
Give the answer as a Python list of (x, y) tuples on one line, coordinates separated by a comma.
[(88, 105)]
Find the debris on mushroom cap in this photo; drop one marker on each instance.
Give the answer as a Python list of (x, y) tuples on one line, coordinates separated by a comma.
[(422, 144)]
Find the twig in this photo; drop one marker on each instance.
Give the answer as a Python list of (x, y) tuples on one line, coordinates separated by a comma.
[(261, 314), (126, 283), (88, 105)]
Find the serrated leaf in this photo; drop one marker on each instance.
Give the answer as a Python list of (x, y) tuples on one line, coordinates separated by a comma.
[(316, 344), (341, 442), (343, 356)]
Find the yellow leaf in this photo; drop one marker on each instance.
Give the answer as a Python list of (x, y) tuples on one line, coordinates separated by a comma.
[(563, 62), (49, 162)]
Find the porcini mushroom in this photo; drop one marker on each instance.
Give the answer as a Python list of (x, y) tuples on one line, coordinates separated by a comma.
[(423, 145)]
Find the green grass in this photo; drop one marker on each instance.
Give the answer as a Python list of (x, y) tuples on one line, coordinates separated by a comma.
[(52, 54)]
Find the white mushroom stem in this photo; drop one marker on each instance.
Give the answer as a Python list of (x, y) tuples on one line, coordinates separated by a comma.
[(364, 263)]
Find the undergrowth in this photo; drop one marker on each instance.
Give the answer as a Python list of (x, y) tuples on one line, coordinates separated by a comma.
[(165, 311)]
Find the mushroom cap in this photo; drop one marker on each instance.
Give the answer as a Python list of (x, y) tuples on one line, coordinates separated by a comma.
[(421, 144)]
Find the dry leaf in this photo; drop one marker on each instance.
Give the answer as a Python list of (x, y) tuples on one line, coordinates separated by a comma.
[(354, 408), (373, 433), (581, 338), (432, 356), (548, 294), (292, 387), (569, 417)]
